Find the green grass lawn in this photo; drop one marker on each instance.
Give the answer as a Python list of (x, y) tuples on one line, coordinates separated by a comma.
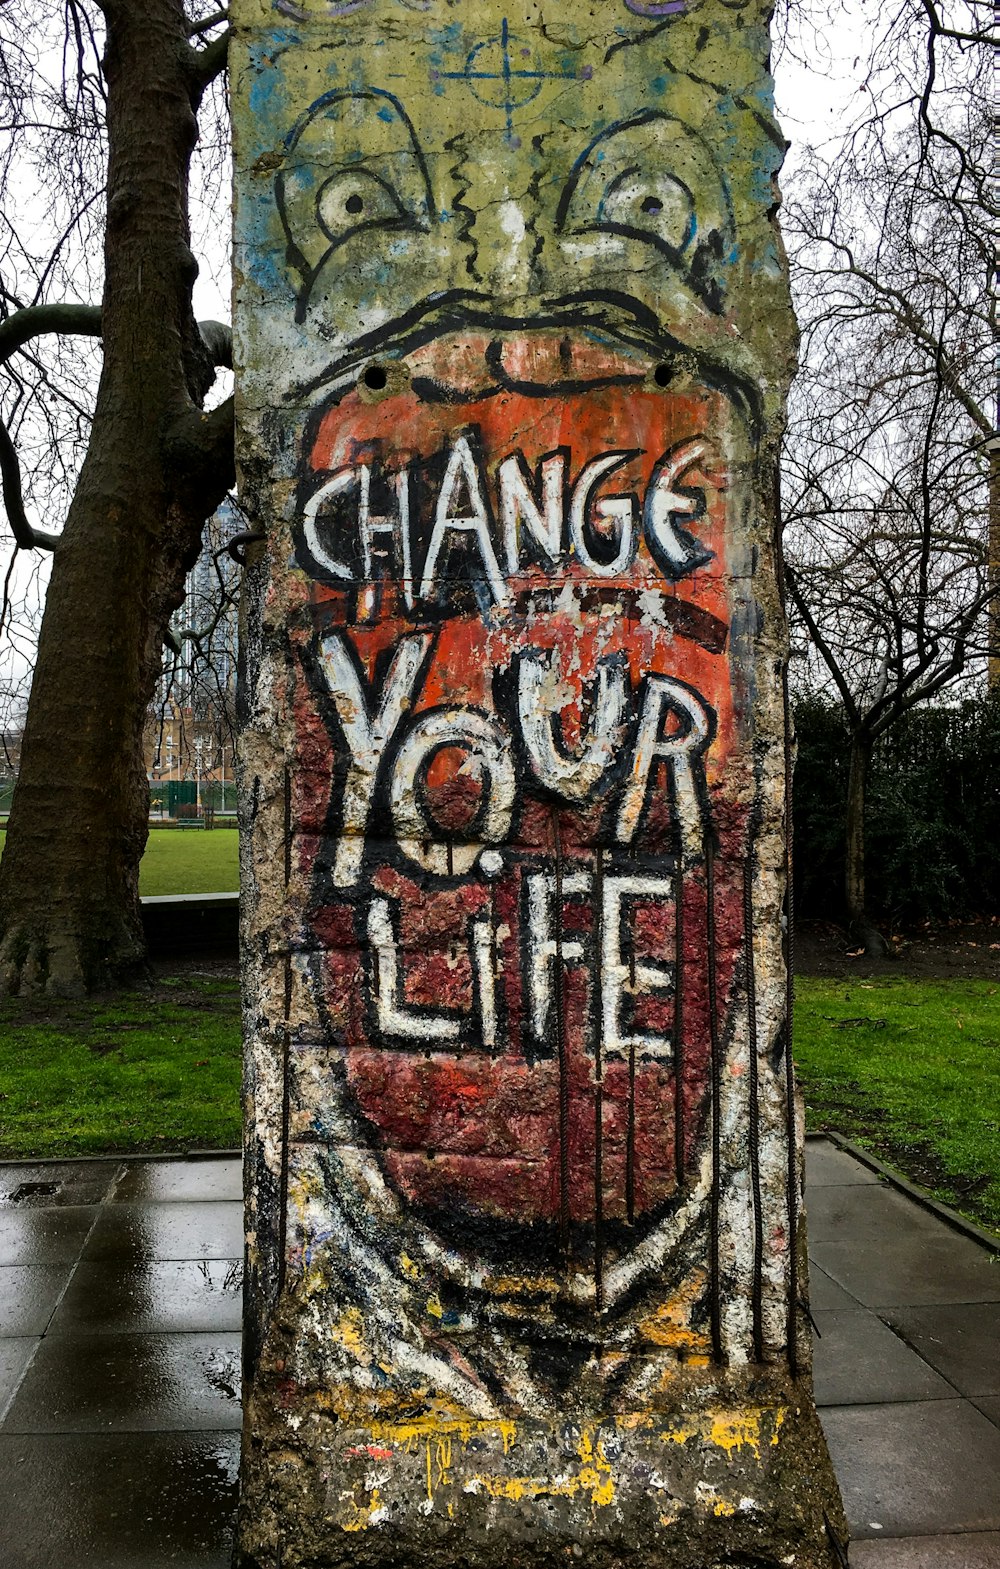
[(187, 860), (148, 1070), (911, 1070), (190, 860)]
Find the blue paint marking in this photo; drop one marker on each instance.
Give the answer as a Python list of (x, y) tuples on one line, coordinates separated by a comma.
[(517, 85)]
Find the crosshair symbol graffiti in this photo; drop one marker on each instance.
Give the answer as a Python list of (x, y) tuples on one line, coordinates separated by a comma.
[(514, 85)]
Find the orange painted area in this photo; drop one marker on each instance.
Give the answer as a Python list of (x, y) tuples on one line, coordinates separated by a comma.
[(506, 1131)]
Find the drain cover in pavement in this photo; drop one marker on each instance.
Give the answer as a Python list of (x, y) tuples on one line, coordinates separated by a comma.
[(34, 1190)]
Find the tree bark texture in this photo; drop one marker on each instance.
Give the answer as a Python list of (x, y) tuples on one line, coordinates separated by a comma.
[(69, 901)]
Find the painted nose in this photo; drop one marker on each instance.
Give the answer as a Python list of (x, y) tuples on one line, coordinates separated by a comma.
[(504, 246)]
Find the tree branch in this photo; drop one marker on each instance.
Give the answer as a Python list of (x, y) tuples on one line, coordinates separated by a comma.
[(204, 65), (824, 648), (35, 320), (27, 538), (207, 23), (201, 448), (218, 340)]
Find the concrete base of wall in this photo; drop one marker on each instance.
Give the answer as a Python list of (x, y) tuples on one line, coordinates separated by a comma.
[(741, 1481)]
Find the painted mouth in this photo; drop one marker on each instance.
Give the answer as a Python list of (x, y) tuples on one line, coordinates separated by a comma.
[(613, 322)]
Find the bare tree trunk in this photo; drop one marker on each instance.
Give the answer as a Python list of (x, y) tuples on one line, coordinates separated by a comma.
[(860, 925), (69, 903)]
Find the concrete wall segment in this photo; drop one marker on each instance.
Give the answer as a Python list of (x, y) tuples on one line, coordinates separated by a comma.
[(524, 1200)]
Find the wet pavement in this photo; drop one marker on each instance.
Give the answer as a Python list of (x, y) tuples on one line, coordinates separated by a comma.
[(119, 1366)]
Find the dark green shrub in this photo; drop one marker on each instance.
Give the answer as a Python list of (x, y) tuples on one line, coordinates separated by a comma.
[(933, 818)]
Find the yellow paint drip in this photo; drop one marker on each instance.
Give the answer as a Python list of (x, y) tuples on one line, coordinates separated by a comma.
[(366, 1514), (731, 1430), (409, 1435), (594, 1477), (734, 1431)]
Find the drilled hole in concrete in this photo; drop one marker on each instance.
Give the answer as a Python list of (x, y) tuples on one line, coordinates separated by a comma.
[(34, 1190), (375, 378), (661, 375)]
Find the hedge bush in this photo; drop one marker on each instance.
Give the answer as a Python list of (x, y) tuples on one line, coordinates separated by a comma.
[(933, 813)]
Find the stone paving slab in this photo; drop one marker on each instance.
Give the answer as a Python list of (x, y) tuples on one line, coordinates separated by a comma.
[(28, 1295), (173, 1181), (45, 1236), (960, 1339), (118, 1501), (827, 1166), (989, 1408), (15, 1354), (857, 1360), (929, 1552), (129, 1383), (921, 1468), (50, 1184), (825, 1296), (126, 1234), (889, 1252), (165, 1296)]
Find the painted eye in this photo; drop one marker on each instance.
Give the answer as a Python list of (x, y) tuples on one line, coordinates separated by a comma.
[(354, 199), (658, 207), (654, 180)]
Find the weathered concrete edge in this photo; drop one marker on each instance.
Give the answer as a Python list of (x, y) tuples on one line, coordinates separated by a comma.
[(951, 1217), (123, 1159)]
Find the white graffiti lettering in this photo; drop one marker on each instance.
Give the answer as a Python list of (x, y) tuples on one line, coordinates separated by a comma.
[(393, 1018), (577, 777), (543, 524), (674, 727), (543, 945), (400, 1022), (613, 511), (462, 470), (624, 979), (673, 548), (489, 750), (539, 518), (667, 700), (367, 734)]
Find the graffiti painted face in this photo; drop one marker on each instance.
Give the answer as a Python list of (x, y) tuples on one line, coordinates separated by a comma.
[(524, 793), (490, 180)]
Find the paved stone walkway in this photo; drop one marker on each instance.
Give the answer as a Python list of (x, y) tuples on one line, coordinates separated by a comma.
[(119, 1366)]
